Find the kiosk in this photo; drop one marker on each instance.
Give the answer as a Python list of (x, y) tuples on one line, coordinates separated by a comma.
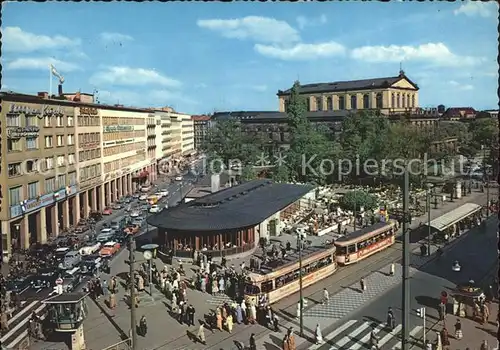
[(467, 298), (66, 313)]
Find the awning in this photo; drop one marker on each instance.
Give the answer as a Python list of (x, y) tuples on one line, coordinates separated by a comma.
[(444, 221), (141, 175)]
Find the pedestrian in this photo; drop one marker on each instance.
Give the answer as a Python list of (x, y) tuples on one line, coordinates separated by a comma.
[(391, 320), (318, 335), (291, 339), (143, 326), (191, 312), (485, 314), (286, 343), (201, 334), (239, 314), (362, 285), (484, 345), (276, 323), (4, 321), (428, 345), (326, 296), (219, 319), (112, 301), (229, 323), (105, 289), (458, 330), (391, 269), (252, 345)]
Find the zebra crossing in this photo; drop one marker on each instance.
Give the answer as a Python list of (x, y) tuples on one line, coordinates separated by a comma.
[(219, 299), (355, 335), (18, 323)]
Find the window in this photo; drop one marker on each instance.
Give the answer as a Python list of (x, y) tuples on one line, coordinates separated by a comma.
[(319, 103), (47, 121), (329, 103), (48, 141), (71, 158), (31, 165), (49, 163), (378, 99), (50, 185), (72, 178), (13, 120), (71, 121), (14, 169), (61, 181), (32, 121), (13, 145), (393, 100), (60, 140), (60, 161), (308, 104), (71, 139), (33, 190), (341, 102), (31, 143), (366, 101), (354, 102), (60, 121), (15, 195), (398, 100)]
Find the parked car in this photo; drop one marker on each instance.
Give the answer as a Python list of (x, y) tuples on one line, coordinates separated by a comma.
[(60, 253), (90, 249), (135, 214), (107, 211), (143, 197), (163, 193), (117, 207), (109, 249), (96, 216), (155, 209), (71, 259), (178, 178)]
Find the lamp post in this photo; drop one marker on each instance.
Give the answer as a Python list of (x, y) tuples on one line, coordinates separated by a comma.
[(428, 218), (133, 322), (300, 231), (486, 180)]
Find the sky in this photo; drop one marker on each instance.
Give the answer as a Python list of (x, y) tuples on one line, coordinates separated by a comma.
[(206, 57)]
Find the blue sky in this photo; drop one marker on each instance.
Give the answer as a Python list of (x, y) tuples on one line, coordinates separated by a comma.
[(201, 57)]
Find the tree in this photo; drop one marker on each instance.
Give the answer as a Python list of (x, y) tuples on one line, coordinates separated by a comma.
[(248, 173), (354, 200)]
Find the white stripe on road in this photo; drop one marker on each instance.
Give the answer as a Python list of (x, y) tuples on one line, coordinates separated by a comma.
[(390, 335), (22, 312), (413, 333), (334, 334), (364, 341), (20, 324), (20, 337), (347, 339)]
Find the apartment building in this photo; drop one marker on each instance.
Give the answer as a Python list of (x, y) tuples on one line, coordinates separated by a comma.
[(187, 135), (201, 124), (38, 170)]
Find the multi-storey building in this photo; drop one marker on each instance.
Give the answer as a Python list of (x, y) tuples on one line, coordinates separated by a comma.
[(388, 95), (187, 135), (201, 124), (38, 173)]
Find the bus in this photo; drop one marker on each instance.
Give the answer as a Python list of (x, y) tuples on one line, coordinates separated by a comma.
[(365, 242), (280, 278)]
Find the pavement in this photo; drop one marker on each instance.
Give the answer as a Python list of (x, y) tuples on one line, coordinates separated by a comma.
[(166, 333)]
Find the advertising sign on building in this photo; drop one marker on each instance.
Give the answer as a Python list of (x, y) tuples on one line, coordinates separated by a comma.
[(19, 132), (88, 110), (116, 128)]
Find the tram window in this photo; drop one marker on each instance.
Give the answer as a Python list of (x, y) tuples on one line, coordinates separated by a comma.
[(266, 287), (341, 250), (251, 289), (351, 249)]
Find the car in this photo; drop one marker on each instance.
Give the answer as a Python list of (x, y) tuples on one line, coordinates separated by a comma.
[(163, 193), (117, 207), (132, 229), (178, 178), (143, 197), (155, 209), (90, 249), (106, 231), (59, 253), (136, 195), (135, 214), (71, 259), (138, 222), (128, 200), (90, 264), (38, 283), (18, 285), (107, 211), (71, 279), (109, 249)]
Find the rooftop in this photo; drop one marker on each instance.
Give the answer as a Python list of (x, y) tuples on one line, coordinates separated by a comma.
[(235, 207), (349, 85), (65, 298)]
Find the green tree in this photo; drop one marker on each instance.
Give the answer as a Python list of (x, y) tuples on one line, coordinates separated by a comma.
[(354, 200), (248, 173)]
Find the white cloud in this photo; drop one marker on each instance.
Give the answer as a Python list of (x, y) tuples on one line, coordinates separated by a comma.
[(456, 85), (41, 63), (305, 21), (259, 29), (301, 52), (436, 53), (16, 40), (121, 75), (108, 37), (477, 9)]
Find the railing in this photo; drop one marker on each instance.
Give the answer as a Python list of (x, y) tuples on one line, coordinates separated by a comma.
[(215, 253), (123, 345)]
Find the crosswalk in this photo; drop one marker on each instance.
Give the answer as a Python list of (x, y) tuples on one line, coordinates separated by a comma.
[(219, 299), (18, 323), (355, 335)]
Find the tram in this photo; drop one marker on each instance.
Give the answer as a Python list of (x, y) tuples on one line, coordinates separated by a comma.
[(365, 242), (281, 281)]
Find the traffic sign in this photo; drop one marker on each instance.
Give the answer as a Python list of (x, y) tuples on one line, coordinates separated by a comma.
[(59, 281), (148, 255)]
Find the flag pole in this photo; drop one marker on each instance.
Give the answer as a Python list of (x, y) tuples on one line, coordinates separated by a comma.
[(50, 81)]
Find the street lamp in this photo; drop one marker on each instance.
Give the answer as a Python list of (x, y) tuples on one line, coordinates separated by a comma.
[(428, 202), (300, 232)]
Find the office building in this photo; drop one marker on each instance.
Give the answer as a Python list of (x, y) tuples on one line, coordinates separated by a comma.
[(201, 125)]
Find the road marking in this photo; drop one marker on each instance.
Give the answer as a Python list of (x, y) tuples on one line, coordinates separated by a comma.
[(19, 325), (23, 311), (20, 337), (347, 339), (334, 334), (364, 341), (413, 333), (390, 335)]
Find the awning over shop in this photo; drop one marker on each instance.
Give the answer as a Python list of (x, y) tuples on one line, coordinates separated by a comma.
[(141, 175), (444, 221)]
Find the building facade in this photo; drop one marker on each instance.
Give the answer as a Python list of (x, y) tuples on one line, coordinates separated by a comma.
[(187, 135), (63, 159), (388, 95), (201, 125)]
